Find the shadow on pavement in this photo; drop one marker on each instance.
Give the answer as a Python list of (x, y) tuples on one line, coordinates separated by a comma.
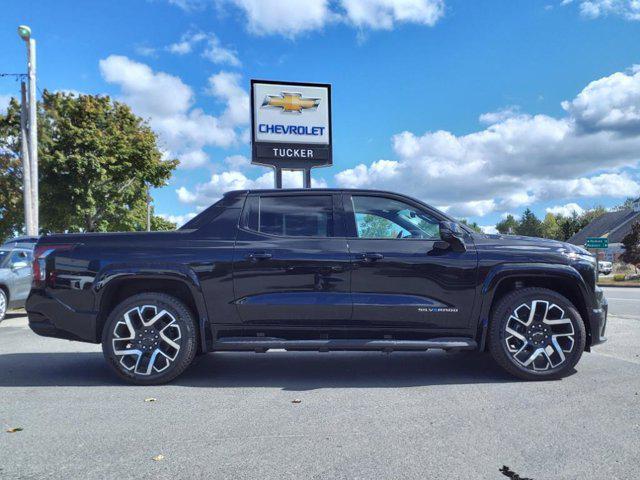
[(289, 371)]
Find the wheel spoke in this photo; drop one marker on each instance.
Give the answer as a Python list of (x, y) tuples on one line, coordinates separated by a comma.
[(146, 340), (538, 335)]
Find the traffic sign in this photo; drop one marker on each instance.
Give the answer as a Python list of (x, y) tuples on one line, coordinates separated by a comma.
[(597, 242)]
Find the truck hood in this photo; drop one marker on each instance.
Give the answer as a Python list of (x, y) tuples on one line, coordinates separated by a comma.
[(531, 245)]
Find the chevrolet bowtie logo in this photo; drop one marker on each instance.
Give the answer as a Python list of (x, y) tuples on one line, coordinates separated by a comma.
[(290, 102)]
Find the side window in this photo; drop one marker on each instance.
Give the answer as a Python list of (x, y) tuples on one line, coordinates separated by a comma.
[(19, 257), (293, 216), (379, 217)]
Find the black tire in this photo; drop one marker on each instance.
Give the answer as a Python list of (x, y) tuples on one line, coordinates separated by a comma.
[(549, 342), (177, 324), (4, 304)]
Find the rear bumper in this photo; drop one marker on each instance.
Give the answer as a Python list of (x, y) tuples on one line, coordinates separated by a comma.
[(49, 317), (598, 319)]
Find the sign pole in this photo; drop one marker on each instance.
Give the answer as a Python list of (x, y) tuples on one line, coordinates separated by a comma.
[(307, 178), (277, 177)]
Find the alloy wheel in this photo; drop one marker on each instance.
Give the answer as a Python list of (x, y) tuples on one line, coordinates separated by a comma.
[(146, 339), (539, 335), (3, 305)]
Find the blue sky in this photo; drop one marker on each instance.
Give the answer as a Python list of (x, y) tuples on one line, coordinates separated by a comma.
[(458, 103)]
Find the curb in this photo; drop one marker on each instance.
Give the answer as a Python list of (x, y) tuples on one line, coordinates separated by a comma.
[(618, 286)]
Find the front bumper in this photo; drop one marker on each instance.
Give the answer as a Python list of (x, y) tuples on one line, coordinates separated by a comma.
[(598, 319)]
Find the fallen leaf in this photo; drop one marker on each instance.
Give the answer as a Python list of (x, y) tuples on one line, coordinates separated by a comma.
[(150, 399), (296, 400), (158, 458), (14, 429)]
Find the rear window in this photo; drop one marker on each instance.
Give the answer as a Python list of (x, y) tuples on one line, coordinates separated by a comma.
[(3, 255), (292, 216)]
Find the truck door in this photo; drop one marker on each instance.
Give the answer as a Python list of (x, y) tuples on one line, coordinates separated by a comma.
[(400, 277), (291, 261)]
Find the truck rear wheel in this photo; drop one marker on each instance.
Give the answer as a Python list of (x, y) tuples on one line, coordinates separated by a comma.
[(150, 338), (536, 334)]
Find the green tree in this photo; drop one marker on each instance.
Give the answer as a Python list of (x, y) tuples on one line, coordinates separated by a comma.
[(373, 226), (507, 226), (529, 224), (97, 160), (473, 225), (550, 227), (631, 243), (11, 201), (626, 205)]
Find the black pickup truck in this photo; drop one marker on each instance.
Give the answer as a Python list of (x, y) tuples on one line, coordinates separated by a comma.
[(321, 270)]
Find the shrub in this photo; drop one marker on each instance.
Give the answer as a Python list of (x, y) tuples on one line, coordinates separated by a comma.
[(619, 277)]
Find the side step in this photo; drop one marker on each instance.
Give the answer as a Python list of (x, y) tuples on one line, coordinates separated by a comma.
[(262, 344)]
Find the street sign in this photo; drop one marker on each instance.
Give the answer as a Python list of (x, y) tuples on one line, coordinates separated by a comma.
[(291, 125), (597, 242)]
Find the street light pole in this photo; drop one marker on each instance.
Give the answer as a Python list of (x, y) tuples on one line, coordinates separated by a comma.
[(33, 134), (26, 169), (32, 103)]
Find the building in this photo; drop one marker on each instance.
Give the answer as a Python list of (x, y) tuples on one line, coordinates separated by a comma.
[(612, 225)]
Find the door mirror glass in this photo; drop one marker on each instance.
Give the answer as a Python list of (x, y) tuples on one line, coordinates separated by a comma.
[(451, 233)]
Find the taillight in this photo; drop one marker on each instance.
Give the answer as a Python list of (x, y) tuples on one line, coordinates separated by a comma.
[(40, 254)]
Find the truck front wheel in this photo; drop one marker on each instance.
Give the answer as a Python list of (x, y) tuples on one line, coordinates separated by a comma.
[(150, 338), (536, 334)]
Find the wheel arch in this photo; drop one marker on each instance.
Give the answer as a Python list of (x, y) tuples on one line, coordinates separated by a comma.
[(562, 279), (114, 286)]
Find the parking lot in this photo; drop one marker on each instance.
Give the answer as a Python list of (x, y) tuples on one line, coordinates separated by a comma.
[(320, 415)]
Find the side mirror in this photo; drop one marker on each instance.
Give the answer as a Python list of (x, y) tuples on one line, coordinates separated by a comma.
[(451, 233)]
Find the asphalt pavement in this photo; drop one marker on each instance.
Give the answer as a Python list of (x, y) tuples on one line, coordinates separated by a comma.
[(320, 415)]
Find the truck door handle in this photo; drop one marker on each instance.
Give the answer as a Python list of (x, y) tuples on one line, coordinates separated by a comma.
[(259, 256), (371, 256)]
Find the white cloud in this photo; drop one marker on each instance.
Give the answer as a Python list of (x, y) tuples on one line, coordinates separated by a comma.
[(179, 220), (285, 17), (291, 18), (384, 14), (522, 159), (592, 9), (500, 115), (611, 104), (205, 194), (237, 162), (213, 48), (148, 92), (217, 53), (565, 210), (226, 87), (146, 51), (168, 104)]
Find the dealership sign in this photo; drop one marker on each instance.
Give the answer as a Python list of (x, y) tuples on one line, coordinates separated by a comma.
[(291, 124)]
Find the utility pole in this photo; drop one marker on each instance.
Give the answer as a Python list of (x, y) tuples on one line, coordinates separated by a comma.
[(26, 169), (148, 210), (25, 34)]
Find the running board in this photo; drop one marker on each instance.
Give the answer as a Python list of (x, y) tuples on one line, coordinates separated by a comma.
[(262, 344)]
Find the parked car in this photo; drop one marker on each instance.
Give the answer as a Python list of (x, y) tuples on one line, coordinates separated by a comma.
[(605, 267), (15, 275), (320, 270)]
